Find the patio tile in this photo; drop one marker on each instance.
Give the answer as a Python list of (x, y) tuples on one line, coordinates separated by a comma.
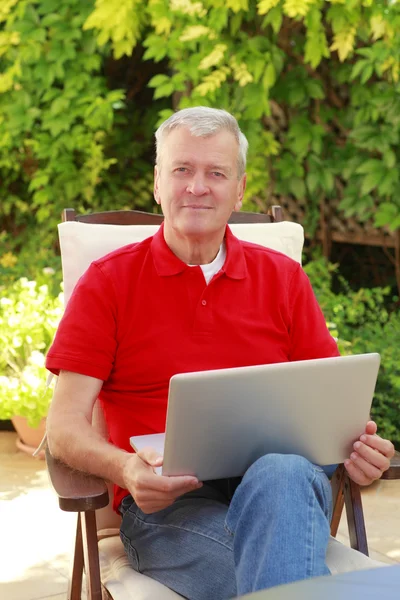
[(381, 503), (33, 583)]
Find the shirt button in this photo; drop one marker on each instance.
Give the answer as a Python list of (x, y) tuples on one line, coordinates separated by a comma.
[(204, 302)]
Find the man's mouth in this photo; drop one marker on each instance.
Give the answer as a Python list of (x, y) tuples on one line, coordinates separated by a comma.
[(197, 206)]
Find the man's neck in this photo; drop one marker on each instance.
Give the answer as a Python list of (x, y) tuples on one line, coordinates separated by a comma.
[(192, 250)]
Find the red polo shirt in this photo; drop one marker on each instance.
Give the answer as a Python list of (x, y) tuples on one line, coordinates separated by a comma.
[(140, 315)]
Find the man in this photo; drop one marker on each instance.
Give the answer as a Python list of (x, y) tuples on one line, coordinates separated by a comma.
[(194, 297)]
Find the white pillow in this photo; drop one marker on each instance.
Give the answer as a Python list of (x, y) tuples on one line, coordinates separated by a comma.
[(82, 243)]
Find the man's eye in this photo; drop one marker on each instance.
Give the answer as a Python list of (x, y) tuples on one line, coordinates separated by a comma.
[(218, 174), (181, 169)]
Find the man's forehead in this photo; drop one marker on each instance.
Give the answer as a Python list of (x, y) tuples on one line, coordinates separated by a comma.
[(184, 134), (216, 149)]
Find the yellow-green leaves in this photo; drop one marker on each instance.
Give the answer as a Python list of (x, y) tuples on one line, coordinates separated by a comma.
[(378, 27), (187, 7), (343, 42), (8, 78), (194, 32), (316, 46), (240, 72), (212, 82), (297, 8), (237, 5), (118, 21), (264, 6), (7, 40), (214, 58), (5, 8)]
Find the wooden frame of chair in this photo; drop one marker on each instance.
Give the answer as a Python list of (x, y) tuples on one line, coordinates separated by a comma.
[(84, 494)]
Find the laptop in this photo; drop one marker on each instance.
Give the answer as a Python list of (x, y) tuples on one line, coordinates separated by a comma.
[(219, 422)]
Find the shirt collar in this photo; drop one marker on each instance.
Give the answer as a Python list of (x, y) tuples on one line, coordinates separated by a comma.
[(167, 263)]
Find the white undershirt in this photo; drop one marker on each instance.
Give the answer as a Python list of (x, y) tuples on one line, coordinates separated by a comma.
[(213, 267)]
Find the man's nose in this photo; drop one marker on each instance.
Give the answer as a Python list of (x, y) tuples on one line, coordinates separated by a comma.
[(198, 186)]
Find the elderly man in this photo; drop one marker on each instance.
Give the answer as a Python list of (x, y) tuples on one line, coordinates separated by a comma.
[(193, 297)]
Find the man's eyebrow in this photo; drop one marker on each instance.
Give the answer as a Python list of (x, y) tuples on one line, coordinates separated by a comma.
[(181, 163), (211, 167), (224, 168)]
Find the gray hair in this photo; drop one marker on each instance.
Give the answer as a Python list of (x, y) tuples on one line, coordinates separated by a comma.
[(203, 121)]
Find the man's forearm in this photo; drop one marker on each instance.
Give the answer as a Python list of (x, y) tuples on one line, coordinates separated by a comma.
[(76, 443)]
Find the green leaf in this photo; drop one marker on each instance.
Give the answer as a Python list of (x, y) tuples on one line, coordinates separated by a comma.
[(269, 76), (158, 80), (164, 90), (358, 68), (313, 181), (314, 89), (370, 182), (385, 214), (328, 180), (297, 188), (367, 74), (274, 18), (371, 166), (389, 183), (390, 158)]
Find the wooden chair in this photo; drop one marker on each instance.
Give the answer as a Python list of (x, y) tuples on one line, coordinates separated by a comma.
[(98, 551)]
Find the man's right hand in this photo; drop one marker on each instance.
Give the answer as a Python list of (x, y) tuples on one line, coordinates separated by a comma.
[(150, 491)]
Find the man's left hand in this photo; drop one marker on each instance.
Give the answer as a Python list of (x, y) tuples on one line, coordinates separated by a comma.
[(371, 456)]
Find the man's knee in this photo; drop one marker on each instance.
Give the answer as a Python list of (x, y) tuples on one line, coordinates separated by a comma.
[(277, 467)]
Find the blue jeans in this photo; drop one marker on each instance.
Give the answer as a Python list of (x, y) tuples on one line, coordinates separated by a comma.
[(274, 530)]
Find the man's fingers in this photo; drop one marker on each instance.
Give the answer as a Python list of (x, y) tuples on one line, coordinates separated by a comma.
[(173, 486), (385, 447), (356, 474), (371, 471), (156, 492), (374, 457), (371, 428), (151, 457), (371, 456)]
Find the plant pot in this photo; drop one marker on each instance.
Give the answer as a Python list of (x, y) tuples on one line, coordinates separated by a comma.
[(29, 438)]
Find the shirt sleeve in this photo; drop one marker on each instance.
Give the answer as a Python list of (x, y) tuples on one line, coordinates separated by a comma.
[(309, 334), (86, 338)]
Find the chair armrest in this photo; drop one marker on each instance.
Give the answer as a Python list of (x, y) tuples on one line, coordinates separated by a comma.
[(77, 491), (394, 470)]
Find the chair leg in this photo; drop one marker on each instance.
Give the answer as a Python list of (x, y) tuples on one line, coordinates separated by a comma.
[(75, 583), (91, 556), (337, 484), (355, 516)]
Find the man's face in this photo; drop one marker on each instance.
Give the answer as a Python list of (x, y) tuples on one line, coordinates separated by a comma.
[(197, 182)]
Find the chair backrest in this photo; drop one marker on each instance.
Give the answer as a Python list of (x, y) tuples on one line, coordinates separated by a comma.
[(85, 238)]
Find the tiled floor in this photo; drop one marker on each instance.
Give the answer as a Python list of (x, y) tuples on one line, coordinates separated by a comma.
[(36, 537)]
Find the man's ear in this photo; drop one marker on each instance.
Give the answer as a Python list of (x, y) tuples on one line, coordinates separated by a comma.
[(241, 190), (156, 186)]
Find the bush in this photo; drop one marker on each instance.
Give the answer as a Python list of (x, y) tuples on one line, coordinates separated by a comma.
[(361, 322), (314, 83), (29, 315)]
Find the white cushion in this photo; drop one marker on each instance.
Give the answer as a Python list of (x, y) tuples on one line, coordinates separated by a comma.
[(121, 581), (341, 558), (124, 583), (82, 243)]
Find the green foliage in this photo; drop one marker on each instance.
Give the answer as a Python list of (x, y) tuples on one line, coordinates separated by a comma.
[(361, 322), (68, 134), (314, 84), (298, 70), (29, 315)]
